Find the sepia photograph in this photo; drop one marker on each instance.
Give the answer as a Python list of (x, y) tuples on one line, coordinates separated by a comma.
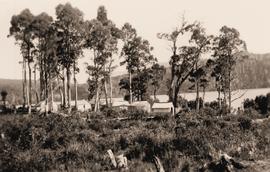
[(134, 86)]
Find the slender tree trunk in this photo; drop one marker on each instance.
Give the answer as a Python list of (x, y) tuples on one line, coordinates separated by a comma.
[(64, 89), (230, 93), (96, 108), (68, 90), (130, 88), (155, 93), (60, 91), (197, 96), (46, 103), (110, 80), (29, 89), (176, 91), (106, 93), (172, 92), (225, 97), (52, 95), (35, 83), (219, 97), (24, 83), (97, 100), (75, 86), (197, 85), (30, 82), (46, 95), (61, 95), (27, 96), (46, 92), (203, 97), (111, 90), (41, 72), (171, 96), (41, 79)]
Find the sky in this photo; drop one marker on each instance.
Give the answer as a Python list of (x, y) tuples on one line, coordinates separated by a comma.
[(251, 18)]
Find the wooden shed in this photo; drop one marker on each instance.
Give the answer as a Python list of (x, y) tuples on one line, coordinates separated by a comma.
[(141, 105), (121, 105), (163, 107)]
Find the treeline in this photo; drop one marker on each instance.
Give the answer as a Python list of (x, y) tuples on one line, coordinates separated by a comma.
[(52, 47), (252, 73)]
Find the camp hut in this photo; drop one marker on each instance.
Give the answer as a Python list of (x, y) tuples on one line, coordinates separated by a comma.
[(41, 106), (141, 105), (82, 105), (163, 107), (120, 105)]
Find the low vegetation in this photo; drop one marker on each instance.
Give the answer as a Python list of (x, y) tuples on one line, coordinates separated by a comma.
[(188, 140)]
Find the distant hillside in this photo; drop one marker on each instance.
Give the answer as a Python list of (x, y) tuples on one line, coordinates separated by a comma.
[(259, 56), (14, 89), (253, 72)]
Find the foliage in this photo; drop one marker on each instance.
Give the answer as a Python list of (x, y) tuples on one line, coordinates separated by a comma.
[(137, 57), (198, 76), (157, 73), (4, 94), (139, 85), (182, 62), (101, 37), (228, 50), (260, 103)]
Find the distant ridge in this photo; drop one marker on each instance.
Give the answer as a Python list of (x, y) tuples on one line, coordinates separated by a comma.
[(259, 56)]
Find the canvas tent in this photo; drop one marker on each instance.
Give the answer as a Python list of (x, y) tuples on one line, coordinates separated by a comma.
[(163, 107), (141, 105), (82, 105), (120, 105), (41, 106)]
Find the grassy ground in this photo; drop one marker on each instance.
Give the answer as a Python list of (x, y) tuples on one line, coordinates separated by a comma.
[(57, 143)]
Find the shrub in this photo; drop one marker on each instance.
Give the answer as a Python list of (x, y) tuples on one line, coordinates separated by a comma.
[(110, 112), (245, 122), (214, 105), (192, 103), (137, 114), (249, 103), (260, 103)]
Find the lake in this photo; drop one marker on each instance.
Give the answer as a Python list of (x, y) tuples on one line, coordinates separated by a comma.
[(213, 95)]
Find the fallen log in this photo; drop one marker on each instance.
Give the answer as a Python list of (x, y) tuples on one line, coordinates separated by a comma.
[(225, 163), (119, 161), (111, 155), (158, 164)]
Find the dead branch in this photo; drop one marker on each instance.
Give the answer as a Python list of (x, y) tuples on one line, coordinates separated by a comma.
[(158, 164), (239, 96)]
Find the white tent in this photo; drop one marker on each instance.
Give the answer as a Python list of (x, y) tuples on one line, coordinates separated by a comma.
[(141, 105), (82, 105), (120, 104), (41, 106), (163, 107)]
